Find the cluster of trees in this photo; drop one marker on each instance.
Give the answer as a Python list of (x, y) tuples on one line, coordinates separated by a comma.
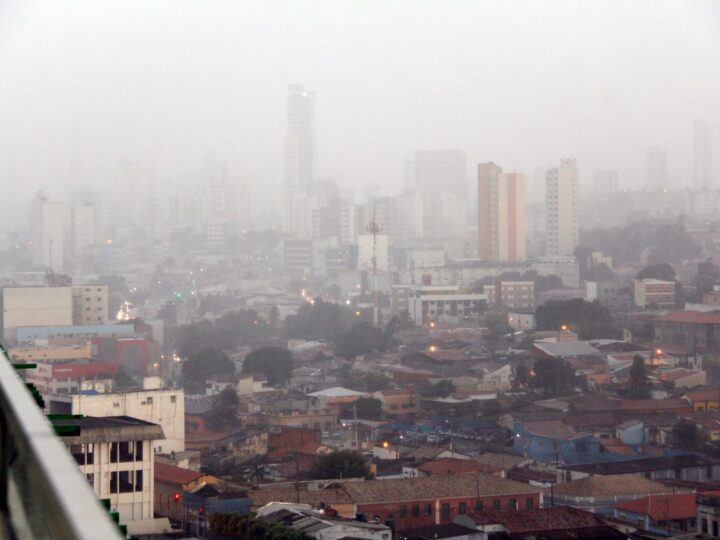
[(369, 382), (687, 436), (440, 389), (273, 362), (365, 408), (553, 375), (591, 319), (362, 338), (223, 415), (227, 332), (660, 240), (340, 464), (203, 364), (639, 382), (319, 320), (232, 525)]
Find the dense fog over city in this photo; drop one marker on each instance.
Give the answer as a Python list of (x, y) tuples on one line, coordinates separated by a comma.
[(385, 270), (87, 85)]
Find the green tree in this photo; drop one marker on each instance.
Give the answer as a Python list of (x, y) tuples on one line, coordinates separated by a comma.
[(203, 364), (687, 436), (238, 527), (320, 320), (223, 415), (553, 375), (367, 409), (340, 464), (369, 382), (123, 381), (273, 362), (639, 383), (591, 319), (363, 338), (707, 276), (661, 271), (440, 389), (496, 321), (491, 408), (599, 272)]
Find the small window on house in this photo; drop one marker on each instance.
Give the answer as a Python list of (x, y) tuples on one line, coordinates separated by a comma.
[(428, 510), (479, 506), (403, 511), (416, 510), (512, 504), (173, 399), (149, 400), (496, 504), (445, 512), (529, 503), (462, 509)]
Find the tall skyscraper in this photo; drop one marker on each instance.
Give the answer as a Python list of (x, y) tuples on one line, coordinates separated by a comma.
[(436, 172), (656, 168), (561, 209), (702, 163), (46, 222), (300, 142), (501, 214)]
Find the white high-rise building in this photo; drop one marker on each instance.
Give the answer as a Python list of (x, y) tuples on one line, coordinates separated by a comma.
[(47, 233), (561, 209), (369, 247), (409, 211), (83, 227), (436, 172), (656, 168), (300, 145), (702, 169)]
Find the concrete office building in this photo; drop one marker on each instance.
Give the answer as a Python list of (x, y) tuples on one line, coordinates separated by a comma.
[(702, 162), (162, 406), (46, 223), (561, 209), (436, 172), (83, 227), (501, 214), (300, 146), (366, 252), (656, 168)]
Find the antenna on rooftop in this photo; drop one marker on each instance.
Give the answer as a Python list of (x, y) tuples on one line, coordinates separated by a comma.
[(374, 229)]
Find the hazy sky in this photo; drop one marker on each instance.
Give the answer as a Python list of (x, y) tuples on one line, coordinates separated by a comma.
[(523, 83)]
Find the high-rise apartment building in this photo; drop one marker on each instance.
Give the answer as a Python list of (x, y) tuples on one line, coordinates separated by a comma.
[(46, 223), (436, 172), (83, 227), (300, 145), (561, 209), (656, 168), (702, 163), (501, 214)]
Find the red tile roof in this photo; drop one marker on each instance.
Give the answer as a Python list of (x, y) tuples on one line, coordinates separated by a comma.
[(707, 394), (455, 466), (175, 475), (691, 317), (539, 519), (662, 507)]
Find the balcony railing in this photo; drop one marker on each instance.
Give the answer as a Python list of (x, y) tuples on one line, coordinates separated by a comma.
[(43, 494)]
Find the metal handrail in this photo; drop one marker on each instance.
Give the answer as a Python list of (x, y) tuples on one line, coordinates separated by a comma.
[(43, 494)]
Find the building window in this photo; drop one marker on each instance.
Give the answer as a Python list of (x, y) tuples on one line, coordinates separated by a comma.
[(445, 512), (149, 400), (120, 482), (529, 503), (138, 480), (173, 399), (462, 509), (513, 504), (403, 511), (90, 478), (428, 510), (496, 504), (478, 506), (415, 510)]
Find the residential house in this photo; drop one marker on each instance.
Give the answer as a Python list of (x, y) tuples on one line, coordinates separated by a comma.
[(668, 514)]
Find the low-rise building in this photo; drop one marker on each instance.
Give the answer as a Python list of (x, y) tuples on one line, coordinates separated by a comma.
[(115, 455), (518, 295), (397, 401), (432, 303), (654, 293), (162, 406)]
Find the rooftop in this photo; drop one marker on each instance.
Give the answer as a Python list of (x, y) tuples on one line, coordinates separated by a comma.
[(337, 391), (567, 348), (609, 486), (663, 507), (110, 429), (175, 475), (641, 465), (539, 519), (690, 317)]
